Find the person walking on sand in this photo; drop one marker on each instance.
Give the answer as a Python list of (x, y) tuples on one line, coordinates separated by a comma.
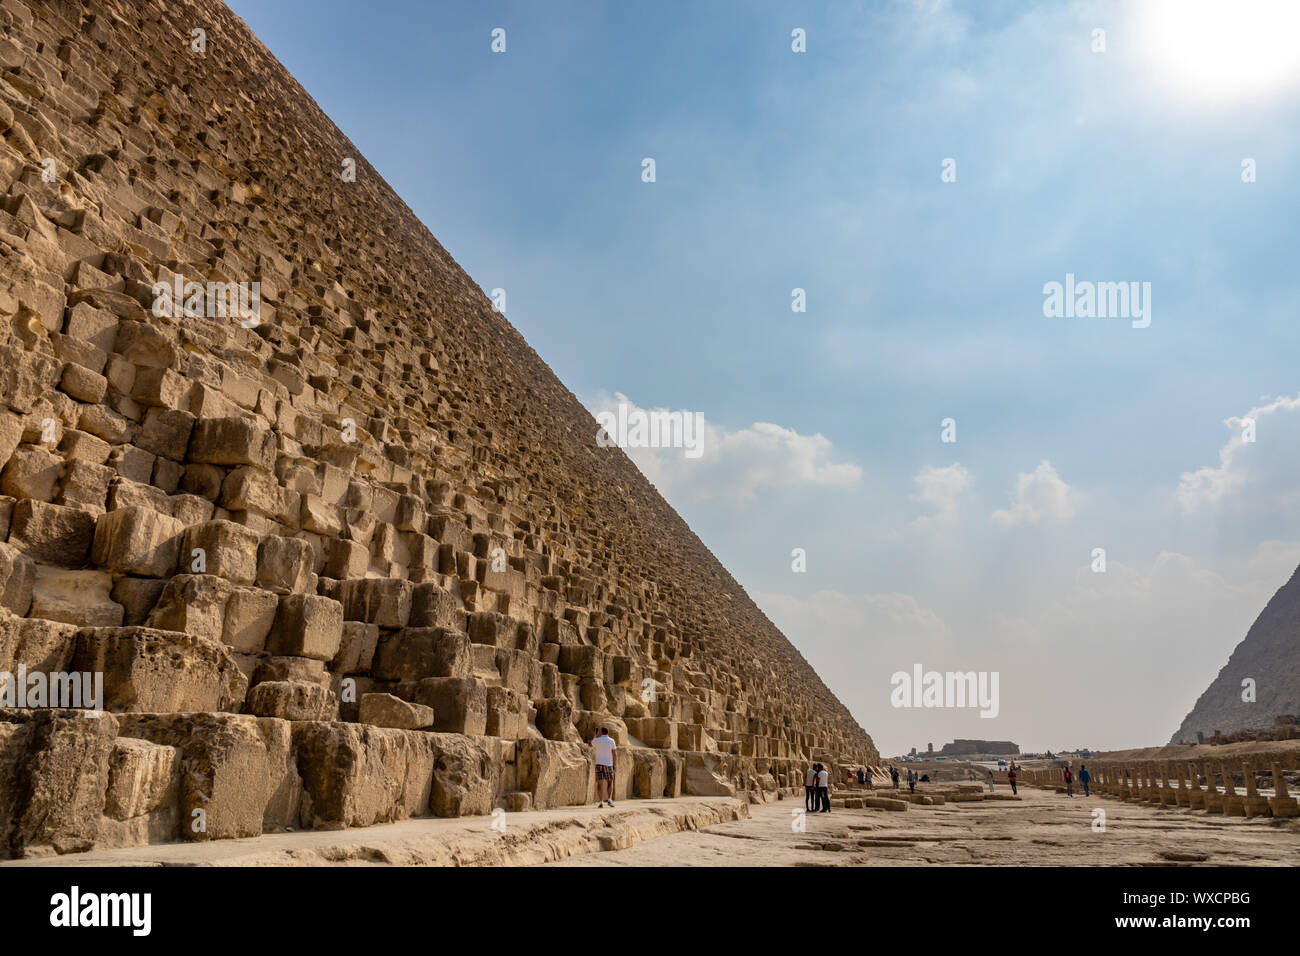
[(893, 775), (824, 788), (1011, 779), (911, 781), (1069, 782), (861, 777), (1084, 778), (606, 750), (810, 790), (991, 781)]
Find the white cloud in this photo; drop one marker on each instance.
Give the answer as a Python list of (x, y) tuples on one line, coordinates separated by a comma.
[(736, 464), (1040, 496), (940, 488), (1266, 465)]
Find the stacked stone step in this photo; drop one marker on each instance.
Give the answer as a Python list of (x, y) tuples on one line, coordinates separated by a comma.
[(360, 546)]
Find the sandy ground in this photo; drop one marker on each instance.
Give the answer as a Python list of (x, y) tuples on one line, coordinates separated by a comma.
[(1043, 828)]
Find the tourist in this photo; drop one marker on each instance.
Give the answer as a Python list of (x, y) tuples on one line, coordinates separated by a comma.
[(990, 781), (861, 777), (810, 789), (1011, 779), (824, 788), (911, 781), (1084, 777), (893, 775), (605, 749), (1069, 782)]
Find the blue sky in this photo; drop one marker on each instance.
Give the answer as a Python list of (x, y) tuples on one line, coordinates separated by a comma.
[(821, 170)]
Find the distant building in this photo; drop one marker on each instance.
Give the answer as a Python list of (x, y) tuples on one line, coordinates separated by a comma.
[(971, 747)]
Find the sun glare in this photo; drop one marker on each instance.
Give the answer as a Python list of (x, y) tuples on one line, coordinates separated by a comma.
[(1222, 48)]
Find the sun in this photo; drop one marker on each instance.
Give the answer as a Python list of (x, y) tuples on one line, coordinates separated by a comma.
[(1222, 49)]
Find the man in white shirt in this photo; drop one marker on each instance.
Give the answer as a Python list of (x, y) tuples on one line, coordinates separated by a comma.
[(824, 789), (810, 790), (606, 753)]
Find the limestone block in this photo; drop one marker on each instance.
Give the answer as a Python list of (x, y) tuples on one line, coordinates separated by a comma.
[(52, 534), (143, 777), (32, 472), (357, 648), (137, 541), (385, 710), (291, 700), (307, 625), (55, 775), (414, 653), (345, 559), (704, 775), (138, 597), (466, 779), (382, 601), (355, 775), (232, 441), (649, 774), (193, 604), (284, 565), (507, 713), (36, 644), (17, 579), (432, 606), (236, 768), (556, 774), (229, 550), (165, 433), (75, 597), (161, 672), (459, 703), (83, 384), (555, 720), (250, 615)]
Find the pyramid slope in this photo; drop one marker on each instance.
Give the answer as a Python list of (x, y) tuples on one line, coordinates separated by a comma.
[(1270, 656), (371, 523)]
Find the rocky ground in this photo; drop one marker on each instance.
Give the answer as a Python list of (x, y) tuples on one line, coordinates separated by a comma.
[(1042, 828)]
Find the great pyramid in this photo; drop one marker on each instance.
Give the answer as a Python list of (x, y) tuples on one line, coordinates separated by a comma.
[(343, 552), (1267, 656)]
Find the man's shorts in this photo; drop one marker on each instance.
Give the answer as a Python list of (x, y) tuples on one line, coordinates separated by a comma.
[(604, 772)]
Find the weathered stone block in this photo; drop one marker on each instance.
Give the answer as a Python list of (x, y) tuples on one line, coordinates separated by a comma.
[(53, 778), (52, 534), (382, 601), (32, 472), (385, 710), (250, 615), (357, 649), (232, 441), (17, 578), (229, 550), (355, 775), (466, 779), (556, 774), (161, 672), (291, 700), (307, 625), (237, 776), (414, 653), (75, 597), (284, 565), (459, 703), (137, 541)]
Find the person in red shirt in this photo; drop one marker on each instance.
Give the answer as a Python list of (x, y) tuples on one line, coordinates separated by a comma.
[(1069, 782)]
